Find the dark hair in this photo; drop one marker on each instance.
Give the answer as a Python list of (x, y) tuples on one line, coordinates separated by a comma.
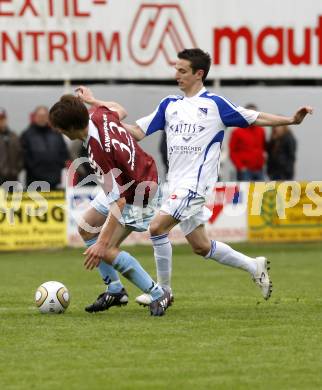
[(198, 60), (251, 106), (69, 114)]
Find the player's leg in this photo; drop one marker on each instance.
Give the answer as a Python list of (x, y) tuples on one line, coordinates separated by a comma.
[(128, 266), (219, 251), (177, 206), (159, 229), (132, 270), (224, 254), (162, 247), (155, 221), (115, 294), (133, 218), (89, 228)]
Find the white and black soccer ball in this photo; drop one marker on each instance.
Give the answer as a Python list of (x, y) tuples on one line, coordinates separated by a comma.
[(52, 297)]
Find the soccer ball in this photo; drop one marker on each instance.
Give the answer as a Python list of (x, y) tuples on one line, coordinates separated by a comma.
[(52, 297)]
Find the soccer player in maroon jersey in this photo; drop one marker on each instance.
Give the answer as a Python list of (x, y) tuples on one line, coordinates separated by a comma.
[(129, 182)]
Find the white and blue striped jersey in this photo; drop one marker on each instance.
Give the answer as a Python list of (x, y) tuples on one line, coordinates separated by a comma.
[(195, 128)]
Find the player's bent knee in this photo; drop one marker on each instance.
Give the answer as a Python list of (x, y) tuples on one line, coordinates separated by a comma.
[(81, 232), (85, 235), (155, 229), (110, 254), (201, 250)]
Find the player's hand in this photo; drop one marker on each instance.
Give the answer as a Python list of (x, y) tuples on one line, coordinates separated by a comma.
[(85, 94), (94, 254), (301, 114)]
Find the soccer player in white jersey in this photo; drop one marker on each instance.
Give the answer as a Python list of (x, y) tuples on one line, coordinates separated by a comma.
[(195, 125)]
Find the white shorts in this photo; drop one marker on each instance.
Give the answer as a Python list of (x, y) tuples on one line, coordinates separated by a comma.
[(188, 207), (135, 217)]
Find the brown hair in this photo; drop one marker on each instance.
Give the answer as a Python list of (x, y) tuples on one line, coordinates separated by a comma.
[(69, 114), (198, 60)]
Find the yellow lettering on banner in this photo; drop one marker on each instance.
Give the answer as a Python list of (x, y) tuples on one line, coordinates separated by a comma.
[(315, 198), (287, 199), (33, 220), (255, 197), (289, 212)]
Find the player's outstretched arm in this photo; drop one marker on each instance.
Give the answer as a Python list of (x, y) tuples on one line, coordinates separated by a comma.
[(265, 119), (87, 96), (135, 130)]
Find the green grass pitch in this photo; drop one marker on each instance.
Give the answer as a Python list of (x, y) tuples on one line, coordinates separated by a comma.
[(219, 334)]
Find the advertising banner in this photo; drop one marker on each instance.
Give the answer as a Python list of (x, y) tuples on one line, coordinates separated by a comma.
[(130, 39), (288, 211), (78, 201), (228, 204), (228, 215), (32, 220)]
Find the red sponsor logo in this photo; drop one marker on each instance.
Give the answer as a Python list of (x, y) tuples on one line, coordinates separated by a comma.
[(271, 45), (173, 196), (159, 29), (223, 195)]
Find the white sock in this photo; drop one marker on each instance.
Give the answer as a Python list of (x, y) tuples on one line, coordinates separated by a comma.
[(163, 260), (224, 254)]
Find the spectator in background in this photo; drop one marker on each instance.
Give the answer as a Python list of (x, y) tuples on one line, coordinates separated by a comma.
[(45, 151), (247, 151), (84, 170), (281, 149), (11, 156)]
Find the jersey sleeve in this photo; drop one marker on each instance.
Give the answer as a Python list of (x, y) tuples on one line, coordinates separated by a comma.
[(114, 113), (232, 115), (155, 121)]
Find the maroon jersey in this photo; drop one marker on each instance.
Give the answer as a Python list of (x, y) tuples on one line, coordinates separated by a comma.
[(113, 151)]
